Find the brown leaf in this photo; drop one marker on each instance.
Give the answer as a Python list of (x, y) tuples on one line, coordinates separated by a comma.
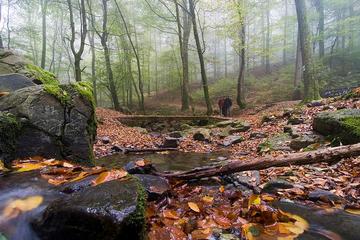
[(171, 214), (193, 206)]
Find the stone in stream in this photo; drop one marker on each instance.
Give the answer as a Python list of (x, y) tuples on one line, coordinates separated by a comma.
[(155, 186), (325, 196), (170, 142), (133, 168), (230, 140), (13, 82), (53, 121), (273, 185), (112, 210), (342, 124)]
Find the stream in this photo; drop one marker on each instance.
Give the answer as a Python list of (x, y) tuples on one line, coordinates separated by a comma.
[(21, 185)]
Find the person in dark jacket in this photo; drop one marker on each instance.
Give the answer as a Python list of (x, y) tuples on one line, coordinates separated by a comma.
[(227, 106), (221, 106)]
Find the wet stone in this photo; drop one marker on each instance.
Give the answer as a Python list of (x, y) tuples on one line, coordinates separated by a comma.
[(112, 210), (304, 141), (325, 196), (273, 185), (155, 186), (170, 142), (133, 168)]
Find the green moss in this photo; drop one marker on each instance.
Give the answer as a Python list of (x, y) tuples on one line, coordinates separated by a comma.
[(9, 130), (41, 75), (58, 92), (85, 89), (351, 130), (137, 218)]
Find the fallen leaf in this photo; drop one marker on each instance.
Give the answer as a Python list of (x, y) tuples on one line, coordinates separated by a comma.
[(25, 167), (109, 176), (353, 211), (222, 189), (18, 206), (2, 167), (254, 200), (193, 206), (201, 234), (208, 199), (140, 163), (171, 214)]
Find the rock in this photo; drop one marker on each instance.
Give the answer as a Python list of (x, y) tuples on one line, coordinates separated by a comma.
[(133, 168), (342, 124), (230, 140), (141, 130), (112, 210), (257, 135), (246, 181), (155, 134), (268, 119), (273, 185), (234, 126), (304, 141), (176, 134), (288, 112), (202, 135), (170, 142), (224, 123), (185, 126), (315, 104), (155, 186), (241, 127), (292, 131), (13, 82), (295, 121), (279, 142), (105, 140), (322, 195), (49, 123)]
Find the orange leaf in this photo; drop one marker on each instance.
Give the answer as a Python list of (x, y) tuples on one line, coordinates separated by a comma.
[(201, 234), (193, 206), (109, 176), (208, 199), (171, 214), (222, 189)]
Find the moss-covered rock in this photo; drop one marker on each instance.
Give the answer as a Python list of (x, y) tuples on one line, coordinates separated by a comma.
[(41, 75), (53, 128), (9, 131), (275, 143), (343, 125)]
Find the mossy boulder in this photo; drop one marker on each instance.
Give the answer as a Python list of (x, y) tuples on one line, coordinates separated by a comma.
[(50, 126), (14, 81), (279, 142), (342, 124), (112, 210)]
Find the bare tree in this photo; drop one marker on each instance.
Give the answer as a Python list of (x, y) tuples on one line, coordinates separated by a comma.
[(200, 52), (83, 32), (44, 6), (240, 99)]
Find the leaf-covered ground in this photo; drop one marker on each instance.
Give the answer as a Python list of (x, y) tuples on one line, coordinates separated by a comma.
[(214, 207)]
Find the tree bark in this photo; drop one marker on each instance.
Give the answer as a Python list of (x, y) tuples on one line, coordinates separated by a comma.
[(329, 155), (319, 5), (285, 32), (240, 98), (201, 58), (44, 4), (298, 64), (267, 56), (311, 88), (83, 32)]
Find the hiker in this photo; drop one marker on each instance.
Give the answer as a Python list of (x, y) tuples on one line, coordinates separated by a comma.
[(227, 106), (221, 106)]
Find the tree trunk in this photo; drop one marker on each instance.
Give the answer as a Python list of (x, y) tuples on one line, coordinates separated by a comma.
[(201, 58), (91, 37), (44, 4), (285, 32), (298, 64), (240, 99), (311, 89), (329, 155), (319, 4), (268, 70)]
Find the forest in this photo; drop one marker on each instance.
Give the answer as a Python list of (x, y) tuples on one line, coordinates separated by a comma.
[(180, 119)]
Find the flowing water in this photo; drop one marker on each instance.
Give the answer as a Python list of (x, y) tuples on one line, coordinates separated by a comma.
[(334, 224)]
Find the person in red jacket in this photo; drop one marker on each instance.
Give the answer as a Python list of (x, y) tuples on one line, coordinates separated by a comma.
[(221, 106)]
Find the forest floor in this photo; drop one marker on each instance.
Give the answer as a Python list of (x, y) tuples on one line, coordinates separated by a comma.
[(199, 210)]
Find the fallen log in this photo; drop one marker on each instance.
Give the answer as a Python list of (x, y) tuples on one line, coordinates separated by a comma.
[(329, 155)]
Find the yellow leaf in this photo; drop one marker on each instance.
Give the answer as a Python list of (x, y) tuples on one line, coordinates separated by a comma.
[(80, 176), (67, 165), (2, 166), (353, 211), (109, 176), (171, 214), (208, 199), (254, 200), (14, 208), (25, 167), (193, 206), (222, 189)]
